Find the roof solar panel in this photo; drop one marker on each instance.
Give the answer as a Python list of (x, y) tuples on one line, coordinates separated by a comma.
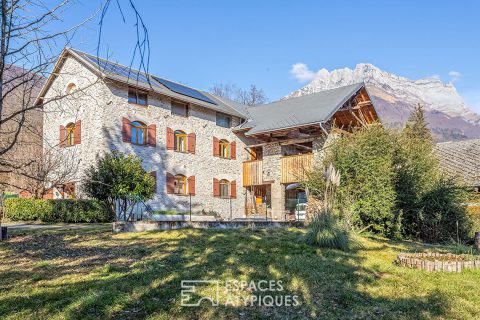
[(119, 70), (186, 91), (141, 77)]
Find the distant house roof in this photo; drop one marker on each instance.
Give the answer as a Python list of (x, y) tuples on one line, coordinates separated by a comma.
[(142, 80), (309, 109), (461, 159)]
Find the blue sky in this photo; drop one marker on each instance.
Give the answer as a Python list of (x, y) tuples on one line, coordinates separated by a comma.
[(201, 43)]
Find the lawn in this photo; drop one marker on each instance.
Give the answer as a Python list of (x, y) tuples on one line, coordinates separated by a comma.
[(82, 274)]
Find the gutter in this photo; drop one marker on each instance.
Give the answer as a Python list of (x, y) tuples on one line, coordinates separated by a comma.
[(323, 129)]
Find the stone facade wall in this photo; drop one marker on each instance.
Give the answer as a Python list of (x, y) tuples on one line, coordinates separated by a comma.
[(272, 165), (85, 105), (203, 165), (318, 146), (101, 107)]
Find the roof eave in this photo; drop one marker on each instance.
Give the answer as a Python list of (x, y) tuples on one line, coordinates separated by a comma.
[(284, 128)]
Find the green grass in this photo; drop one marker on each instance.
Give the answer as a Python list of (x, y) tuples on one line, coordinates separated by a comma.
[(94, 274)]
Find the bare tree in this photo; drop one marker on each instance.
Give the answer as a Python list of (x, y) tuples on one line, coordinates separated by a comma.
[(28, 50), (251, 97), (226, 90), (48, 168)]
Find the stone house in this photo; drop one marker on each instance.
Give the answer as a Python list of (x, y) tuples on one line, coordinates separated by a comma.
[(204, 151)]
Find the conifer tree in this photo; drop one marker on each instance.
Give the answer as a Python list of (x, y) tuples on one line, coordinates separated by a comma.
[(417, 169)]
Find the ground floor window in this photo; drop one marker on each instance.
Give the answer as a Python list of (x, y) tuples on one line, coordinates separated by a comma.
[(180, 184), (224, 188)]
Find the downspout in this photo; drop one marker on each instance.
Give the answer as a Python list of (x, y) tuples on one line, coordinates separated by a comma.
[(323, 129)]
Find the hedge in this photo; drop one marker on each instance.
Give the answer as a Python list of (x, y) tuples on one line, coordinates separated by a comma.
[(61, 210)]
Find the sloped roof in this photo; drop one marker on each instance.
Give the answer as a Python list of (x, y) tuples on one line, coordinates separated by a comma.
[(461, 159), (146, 81), (309, 109)]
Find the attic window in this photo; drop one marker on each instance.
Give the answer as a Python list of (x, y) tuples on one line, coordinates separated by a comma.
[(136, 96), (224, 120), (71, 88), (180, 109)]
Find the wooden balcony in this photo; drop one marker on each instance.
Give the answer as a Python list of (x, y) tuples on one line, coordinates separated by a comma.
[(294, 168), (252, 173)]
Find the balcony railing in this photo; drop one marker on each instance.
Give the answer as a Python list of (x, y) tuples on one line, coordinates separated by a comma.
[(252, 173), (294, 168)]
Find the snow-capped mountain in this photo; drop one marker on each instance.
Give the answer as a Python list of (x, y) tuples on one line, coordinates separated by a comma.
[(394, 97)]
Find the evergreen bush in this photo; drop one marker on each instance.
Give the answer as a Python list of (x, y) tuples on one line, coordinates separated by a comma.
[(61, 210)]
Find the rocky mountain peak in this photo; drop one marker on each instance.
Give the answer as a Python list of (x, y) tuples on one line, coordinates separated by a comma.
[(396, 96)]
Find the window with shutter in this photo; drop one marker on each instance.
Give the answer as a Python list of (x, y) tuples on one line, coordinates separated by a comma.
[(233, 189), (180, 142), (224, 188), (216, 188), (180, 184), (233, 150), (62, 137), (191, 185), (191, 143), (138, 133), (170, 183), (170, 139), (224, 147), (78, 132), (152, 135), (126, 130), (216, 147), (70, 132)]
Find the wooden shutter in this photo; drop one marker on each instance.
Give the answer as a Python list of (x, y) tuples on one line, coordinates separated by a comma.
[(170, 139), (191, 143), (152, 135), (62, 136), (170, 183), (78, 132), (154, 175), (233, 189), (216, 188), (126, 130), (191, 185), (233, 150), (216, 147)]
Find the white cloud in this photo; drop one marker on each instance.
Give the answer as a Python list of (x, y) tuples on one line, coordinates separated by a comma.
[(454, 76), (301, 72)]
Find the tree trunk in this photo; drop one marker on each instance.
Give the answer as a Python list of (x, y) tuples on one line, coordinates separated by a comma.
[(477, 240)]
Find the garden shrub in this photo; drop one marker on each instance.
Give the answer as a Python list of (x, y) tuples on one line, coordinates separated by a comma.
[(366, 191), (325, 231), (61, 210), (475, 219), (391, 184), (442, 216), (119, 181)]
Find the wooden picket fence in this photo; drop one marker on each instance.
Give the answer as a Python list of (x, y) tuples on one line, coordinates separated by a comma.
[(433, 261)]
